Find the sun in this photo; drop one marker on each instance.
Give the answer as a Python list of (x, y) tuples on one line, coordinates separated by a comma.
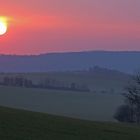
[(3, 25)]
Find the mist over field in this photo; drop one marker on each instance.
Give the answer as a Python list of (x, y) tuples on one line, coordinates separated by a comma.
[(88, 106), (85, 85), (93, 94)]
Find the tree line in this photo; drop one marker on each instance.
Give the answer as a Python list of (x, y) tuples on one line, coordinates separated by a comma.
[(46, 83)]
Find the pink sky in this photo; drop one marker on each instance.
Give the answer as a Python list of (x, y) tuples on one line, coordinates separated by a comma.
[(42, 26)]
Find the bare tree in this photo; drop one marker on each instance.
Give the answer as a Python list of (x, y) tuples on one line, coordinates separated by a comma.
[(132, 98)]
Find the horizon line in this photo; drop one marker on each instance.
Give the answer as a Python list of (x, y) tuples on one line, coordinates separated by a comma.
[(68, 52)]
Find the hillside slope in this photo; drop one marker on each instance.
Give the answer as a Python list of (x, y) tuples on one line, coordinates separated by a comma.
[(23, 125)]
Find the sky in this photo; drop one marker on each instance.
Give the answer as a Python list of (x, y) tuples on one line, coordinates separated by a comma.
[(44, 26)]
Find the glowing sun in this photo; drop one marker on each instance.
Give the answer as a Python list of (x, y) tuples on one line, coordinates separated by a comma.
[(3, 26)]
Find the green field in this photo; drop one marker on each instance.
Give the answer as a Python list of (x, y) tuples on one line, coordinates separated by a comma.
[(24, 125)]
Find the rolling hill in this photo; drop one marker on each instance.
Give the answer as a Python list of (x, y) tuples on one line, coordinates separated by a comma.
[(123, 61)]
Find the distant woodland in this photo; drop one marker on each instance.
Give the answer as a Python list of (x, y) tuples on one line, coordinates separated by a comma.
[(47, 83)]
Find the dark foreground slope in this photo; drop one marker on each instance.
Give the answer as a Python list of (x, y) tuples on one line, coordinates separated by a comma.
[(23, 125)]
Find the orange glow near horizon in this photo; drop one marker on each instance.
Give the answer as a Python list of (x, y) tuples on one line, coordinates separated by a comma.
[(40, 26)]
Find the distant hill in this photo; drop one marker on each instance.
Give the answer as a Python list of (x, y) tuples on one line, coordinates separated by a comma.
[(121, 61)]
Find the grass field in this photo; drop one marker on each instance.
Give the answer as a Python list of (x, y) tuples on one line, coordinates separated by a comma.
[(24, 125)]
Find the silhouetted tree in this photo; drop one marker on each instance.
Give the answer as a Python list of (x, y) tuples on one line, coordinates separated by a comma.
[(19, 81), (6, 80), (124, 114), (132, 99), (73, 86), (27, 83)]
